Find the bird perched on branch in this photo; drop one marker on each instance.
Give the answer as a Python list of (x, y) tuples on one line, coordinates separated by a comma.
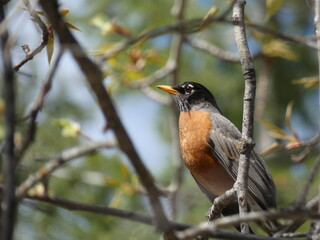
[(209, 145)]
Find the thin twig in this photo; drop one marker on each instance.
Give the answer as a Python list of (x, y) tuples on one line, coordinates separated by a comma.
[(193, 26), (71, 205), (293, 225), (304, 192), (317, 29), (161, 98), (211, 49), (159, 74), (45, 36), (248, 106), (57, 162), (95, 78), (8, 202), (178, 12), (36, 106), (308, 146), (295, 235)]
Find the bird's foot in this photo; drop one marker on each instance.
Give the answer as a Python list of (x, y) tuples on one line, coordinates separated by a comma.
[(245, 144)]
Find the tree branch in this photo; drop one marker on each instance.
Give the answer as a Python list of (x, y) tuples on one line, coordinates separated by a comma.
[(57, 162), (304, 192), (8, 202), (293, 225), (71, 205), (95, 78), (213, 50), (36, 106), (315, 228), (248, 106), (178, 12), (195, 25), (220, 203), (212, 229), (45, 36), (205, 228)]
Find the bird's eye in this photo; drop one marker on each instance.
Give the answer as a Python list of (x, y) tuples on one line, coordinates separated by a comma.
[(188, 89)]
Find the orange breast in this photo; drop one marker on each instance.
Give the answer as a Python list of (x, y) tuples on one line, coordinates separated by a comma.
[(194, 132), (194, 129)]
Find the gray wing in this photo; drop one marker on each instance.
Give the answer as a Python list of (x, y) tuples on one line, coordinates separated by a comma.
[(224, 141)]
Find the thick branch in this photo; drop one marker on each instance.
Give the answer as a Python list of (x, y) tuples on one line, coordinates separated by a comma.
[(57, 162), (205, 228), (220, 203), (95, 78), (248, 107), (8, 203), (187, 231)]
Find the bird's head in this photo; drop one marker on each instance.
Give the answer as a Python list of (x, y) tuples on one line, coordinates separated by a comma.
[(191, 96)]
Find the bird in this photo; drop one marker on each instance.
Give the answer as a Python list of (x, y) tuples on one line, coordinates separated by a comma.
[(209, 145)]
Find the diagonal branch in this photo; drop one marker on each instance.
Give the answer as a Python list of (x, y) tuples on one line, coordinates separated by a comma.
[(57, 162), (71, 205), (45, 37), (293, 225), (211, 49), (95, 78), (304, 192), (36, 106)]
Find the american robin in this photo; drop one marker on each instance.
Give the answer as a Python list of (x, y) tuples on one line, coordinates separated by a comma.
[(209, 145)]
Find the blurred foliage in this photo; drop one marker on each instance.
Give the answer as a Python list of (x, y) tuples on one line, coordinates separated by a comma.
[(106, 178)]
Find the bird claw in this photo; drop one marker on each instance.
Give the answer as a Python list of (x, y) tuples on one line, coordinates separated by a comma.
[(245, 144)]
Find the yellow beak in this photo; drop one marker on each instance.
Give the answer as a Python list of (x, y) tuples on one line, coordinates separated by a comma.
[(168, 89)]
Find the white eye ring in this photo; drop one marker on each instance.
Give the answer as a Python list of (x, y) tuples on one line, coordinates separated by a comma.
[(189, 89)]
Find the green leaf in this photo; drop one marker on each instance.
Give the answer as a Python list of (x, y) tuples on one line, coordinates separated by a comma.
[(213, 11), (288, 121), (2, 107), (273, 147), (125, 170), (289, 114), (69, 25), (277, 132), (50, 44), (307, 82), (69, 128), (273, 127), (64, 12), (273, 7), (278, 48), (2, 132)]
